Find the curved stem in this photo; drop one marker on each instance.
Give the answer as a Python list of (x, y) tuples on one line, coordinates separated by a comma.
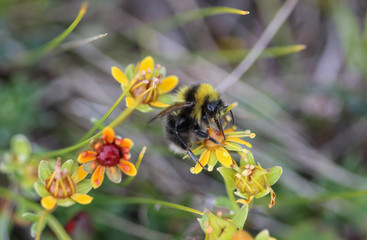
[(138, 200), (41, 224), (231, 197)]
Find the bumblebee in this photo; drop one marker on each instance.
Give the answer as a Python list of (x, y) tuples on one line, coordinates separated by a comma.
[(186, 121)]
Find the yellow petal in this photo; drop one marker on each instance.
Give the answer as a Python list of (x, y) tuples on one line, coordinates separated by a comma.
[(119, 76), (147, 65), (87, 156), (239, 140), (48, 202), (81, 198), (108, 135), (204, 158), (168, 84), (127, 167), (98, 176), (159, 104), (130, 102), (81, 174), (223, 157)]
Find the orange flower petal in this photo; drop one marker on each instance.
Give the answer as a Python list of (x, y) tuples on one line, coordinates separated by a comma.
[(98, 176), (48, 202), (108, 135), (238, 140), (87, 156), (127, 167), (81, 173), (204, 158), (119, 76), (168, 84), (223, 157), (127, 143), (81, 198), (147, 65), (159, 104)]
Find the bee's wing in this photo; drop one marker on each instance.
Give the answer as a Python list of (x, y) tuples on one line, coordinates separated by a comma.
[(174, 107)]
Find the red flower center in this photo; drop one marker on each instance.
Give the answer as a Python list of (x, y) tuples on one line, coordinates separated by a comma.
[(109, 155)]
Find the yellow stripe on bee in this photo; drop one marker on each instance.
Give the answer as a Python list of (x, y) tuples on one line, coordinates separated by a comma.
[(181, 94), (204, 92)]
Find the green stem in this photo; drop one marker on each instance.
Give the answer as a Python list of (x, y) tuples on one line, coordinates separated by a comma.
[(52, 222), (137, 165), (231, 197), (138, 200), (90, 132), (41, 223)]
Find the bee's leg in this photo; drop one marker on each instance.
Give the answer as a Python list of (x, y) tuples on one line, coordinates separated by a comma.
[(205, 135), (188, 150)]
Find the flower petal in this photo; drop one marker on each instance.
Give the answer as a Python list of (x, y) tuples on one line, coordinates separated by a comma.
[(81, 174), (147, 65), (127, 167), (67, 202), (108, 135), (130, 102), (239, 140), (87, 156), (119, 76), (124, 143), (98, 176), (89, 167), (159, 104), (81, 198), (168, 84), (48, 202), (212, 161), (41, 189), (204, 158), (224, 157), (114, 174)]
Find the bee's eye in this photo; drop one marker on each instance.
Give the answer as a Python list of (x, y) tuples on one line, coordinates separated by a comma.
[(212, 107)]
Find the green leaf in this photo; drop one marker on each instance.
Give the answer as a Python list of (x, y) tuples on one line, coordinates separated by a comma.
[(69, 165), (20, 145), (249, 159), (44, 170), (190, 16), (233, 147), (263, 235), (129, 72), (33, 229), (67, 202), (274, 175), (166, 98), (221, 229), (31, 217), (144, 108), (227, 174), (40, 189), (240, 217), (84, 186)]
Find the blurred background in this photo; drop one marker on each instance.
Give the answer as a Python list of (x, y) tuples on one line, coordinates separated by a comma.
[(308, 109)]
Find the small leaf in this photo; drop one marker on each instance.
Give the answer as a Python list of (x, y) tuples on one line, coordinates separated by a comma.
[(44, 170), (34, 229), (67, 202), (263, 235), (262, 193), (69, 165), (84, 186), (144, 108), (166, 98), (20, 145), (129, 72), (41, 189), (31, 217), (249, 159), (240, 217), (274, 175), (231, 146), (217, 228)]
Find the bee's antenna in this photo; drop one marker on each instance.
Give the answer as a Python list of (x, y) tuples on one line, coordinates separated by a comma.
[(230, 111), (219, 125)]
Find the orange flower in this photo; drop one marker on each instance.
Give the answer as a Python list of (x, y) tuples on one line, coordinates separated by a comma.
[(111, 155), (148, 82)]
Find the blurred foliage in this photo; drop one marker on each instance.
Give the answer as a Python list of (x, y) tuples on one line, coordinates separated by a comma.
[(308, 109)]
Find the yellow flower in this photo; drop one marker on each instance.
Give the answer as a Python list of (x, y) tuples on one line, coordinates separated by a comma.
[(148, 82), (59, 187), (111, 155), (211, 153)]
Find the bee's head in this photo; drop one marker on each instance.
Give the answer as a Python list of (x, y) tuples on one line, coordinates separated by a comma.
[(214, 110)]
